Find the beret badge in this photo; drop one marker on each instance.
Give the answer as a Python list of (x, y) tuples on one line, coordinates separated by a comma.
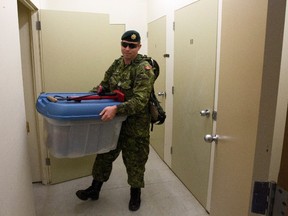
[(133, 36)]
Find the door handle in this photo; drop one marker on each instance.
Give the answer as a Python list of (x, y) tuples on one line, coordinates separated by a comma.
[(205, 113), (162, 93), (211, 138)]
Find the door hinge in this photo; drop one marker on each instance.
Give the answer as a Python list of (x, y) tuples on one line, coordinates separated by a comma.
[(214, 115), (27, 127), (171, 150), (263, 198), (280, 202), (174, 26), (48, 162), (38, 25), (172, 90)]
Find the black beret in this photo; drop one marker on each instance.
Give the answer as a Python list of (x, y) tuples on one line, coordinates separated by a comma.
[(132, 36)]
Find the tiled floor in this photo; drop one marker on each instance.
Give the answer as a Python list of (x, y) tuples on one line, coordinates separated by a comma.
[(163, 195)]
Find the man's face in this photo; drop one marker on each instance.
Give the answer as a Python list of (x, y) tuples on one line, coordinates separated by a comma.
[(129, 49)]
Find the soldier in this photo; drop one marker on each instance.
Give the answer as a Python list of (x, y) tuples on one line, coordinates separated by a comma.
[(135, 78)]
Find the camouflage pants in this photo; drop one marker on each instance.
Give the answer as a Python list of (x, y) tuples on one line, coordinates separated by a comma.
[(135, 155)]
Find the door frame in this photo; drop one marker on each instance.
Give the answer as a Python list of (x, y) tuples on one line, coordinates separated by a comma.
[(36, 64), (217, 73), (38, 83)]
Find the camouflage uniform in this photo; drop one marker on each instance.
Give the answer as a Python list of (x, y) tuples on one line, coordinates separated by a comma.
[(135, 81)]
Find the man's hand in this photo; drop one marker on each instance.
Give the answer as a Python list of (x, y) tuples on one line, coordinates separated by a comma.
[(108, 113)]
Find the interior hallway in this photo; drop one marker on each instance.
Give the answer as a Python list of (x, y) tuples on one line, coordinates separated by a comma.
[(163, 195)]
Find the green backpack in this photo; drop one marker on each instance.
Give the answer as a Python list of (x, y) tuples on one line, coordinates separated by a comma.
[(158, 114)]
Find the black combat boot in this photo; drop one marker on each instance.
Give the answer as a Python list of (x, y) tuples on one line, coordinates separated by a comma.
[(91, 192), (135, 199)]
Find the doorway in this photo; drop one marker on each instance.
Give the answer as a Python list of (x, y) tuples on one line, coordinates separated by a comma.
[(75, 59)]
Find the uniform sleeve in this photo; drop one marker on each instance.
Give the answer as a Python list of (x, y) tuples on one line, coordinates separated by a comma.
[(142, 88)]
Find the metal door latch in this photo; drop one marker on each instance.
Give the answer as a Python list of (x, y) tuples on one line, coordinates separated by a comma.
[(211, 138), (205, 113)]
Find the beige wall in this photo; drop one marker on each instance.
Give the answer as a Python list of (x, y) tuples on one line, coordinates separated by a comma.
[(131, 13), (15, 181)]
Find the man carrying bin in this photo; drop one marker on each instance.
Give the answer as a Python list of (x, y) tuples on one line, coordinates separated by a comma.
[(134, 76)]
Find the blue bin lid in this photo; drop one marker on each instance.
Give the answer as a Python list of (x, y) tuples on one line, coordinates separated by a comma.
[(71, 110)]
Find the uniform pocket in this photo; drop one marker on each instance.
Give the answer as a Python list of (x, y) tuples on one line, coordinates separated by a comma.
[(126, 85)]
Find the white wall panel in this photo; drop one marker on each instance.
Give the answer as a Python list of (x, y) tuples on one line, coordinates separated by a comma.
[(15, 181)]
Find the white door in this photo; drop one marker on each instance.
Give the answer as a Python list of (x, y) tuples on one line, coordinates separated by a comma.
[(77, 50), (157, 49), (194, 78)]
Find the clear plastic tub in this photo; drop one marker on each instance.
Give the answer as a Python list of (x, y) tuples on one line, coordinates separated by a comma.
[(79, 138), (75, 129)]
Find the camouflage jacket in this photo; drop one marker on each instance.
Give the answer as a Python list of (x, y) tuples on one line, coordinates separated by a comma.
[(136, 82)]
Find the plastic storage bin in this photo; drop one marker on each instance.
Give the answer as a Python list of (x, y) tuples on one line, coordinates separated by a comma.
[(75, 129)]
